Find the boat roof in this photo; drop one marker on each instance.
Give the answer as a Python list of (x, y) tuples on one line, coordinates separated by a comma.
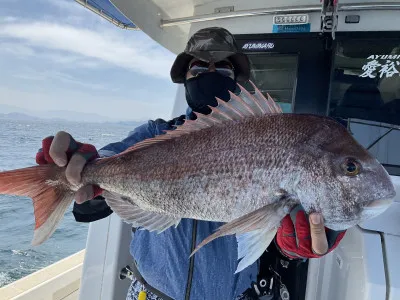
[(171, 22), (107, 10)]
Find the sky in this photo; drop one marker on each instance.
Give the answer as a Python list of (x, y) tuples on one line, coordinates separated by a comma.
[(57, 55)]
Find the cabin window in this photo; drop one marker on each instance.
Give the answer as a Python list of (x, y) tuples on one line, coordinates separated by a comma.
[(366, 80), (275, 75), (365, 91)]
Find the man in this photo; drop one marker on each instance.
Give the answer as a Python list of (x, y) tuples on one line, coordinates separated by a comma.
[(210, 66)]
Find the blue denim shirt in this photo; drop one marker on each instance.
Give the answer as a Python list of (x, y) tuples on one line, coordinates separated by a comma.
[(163, 259)]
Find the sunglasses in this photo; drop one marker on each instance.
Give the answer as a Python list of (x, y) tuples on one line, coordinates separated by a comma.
[(224, 68)]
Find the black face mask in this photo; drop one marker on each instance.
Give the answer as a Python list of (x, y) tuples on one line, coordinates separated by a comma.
[(202, 90)]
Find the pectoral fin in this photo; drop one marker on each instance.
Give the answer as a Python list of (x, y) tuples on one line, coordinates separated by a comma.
[(254, 231)]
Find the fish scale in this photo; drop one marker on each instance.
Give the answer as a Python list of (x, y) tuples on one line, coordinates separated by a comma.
[(191, 190), (246, 164)]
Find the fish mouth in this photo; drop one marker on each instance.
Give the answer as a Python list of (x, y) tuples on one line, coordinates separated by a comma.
[(379, 204), (370, 209), (341, 225), (382, 203)]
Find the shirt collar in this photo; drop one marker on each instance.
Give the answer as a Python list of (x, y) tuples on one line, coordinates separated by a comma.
[(189, 114)]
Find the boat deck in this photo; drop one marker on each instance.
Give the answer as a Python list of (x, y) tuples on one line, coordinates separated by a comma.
[(59, 281)]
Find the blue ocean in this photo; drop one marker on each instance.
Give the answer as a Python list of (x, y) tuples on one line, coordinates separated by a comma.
[(19, 142)]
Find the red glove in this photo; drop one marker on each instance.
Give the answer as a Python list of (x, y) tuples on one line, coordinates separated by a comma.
[(88, 151), (294, 238)]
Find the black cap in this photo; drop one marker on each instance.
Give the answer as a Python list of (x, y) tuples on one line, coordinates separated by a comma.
[(211, 45)]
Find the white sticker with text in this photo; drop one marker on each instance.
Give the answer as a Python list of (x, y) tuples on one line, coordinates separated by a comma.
[(382, 66)]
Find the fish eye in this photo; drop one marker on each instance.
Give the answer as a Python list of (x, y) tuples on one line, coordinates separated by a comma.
[(351, 167)]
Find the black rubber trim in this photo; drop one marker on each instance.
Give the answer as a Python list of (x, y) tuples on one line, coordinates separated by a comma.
[(191, 264)]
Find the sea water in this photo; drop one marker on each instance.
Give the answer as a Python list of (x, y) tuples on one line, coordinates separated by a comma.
[(19, 142)]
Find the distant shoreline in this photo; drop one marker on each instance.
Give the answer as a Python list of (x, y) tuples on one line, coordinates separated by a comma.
[(16, 116)]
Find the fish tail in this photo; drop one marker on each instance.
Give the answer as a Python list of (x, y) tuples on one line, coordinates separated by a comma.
[(50, 197)]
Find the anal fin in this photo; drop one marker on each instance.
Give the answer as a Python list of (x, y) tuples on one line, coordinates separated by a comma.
[(254, 231), (131, 213)]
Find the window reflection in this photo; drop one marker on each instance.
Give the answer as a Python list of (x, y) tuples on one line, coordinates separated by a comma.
[(366, 80), (365, 92), (275, 75)]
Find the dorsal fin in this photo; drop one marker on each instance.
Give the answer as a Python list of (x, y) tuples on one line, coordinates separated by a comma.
[(238, 107)]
